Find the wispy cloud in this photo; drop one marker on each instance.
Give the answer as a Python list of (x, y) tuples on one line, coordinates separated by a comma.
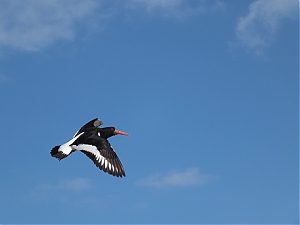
[(150, 5), (31, 25), (176, 8), (75, 192), (257, 29), (218, 6), (76, 184), (187, 178)]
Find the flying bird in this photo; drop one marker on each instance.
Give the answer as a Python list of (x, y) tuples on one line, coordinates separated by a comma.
[(92, 141)]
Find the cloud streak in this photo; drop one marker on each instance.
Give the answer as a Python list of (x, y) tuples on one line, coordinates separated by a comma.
[(155, 4), (256, 31), (77, 184), (187, 178), (175, 8), (31, 25), (75, 192)]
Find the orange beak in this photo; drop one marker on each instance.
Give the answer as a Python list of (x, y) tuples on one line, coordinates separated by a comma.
[(121, 132)]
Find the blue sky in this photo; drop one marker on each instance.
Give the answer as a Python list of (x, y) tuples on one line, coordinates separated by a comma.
[(208, 90)]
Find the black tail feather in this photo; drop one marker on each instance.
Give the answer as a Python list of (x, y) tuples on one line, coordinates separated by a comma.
[(55, 153)]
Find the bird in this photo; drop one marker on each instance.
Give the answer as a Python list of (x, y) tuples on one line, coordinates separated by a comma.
[(92, 141)]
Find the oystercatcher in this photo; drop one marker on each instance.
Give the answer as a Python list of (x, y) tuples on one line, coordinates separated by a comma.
[(92, 141)]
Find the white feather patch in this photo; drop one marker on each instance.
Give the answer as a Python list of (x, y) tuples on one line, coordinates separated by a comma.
[(66, 148)]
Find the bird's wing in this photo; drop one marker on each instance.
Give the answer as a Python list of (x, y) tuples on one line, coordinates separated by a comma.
[(93, 123), (104, 158)]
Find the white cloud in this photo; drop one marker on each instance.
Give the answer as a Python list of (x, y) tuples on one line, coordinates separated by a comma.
[(31, 25), (77, 184), (176, 8), (150, 5), (190, 177), (218, 6), (257, 29)]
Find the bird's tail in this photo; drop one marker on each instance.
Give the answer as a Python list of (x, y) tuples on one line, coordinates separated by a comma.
[(57, 154)]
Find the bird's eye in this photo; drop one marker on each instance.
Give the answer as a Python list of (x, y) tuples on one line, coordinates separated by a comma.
[(112, 128), (99, 134)]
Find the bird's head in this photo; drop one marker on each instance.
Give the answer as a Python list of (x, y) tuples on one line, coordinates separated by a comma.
[(107, 132)]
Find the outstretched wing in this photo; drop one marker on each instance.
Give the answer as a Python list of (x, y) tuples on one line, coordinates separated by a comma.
[(105, 159)]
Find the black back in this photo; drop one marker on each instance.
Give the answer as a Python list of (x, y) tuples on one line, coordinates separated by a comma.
[(92, 124)]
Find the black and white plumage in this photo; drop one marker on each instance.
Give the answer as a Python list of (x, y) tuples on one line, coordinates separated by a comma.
[(92, 141)]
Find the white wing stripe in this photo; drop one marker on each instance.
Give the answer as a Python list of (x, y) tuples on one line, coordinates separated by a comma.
[(113, 168), (76, 133), (92, 149)]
